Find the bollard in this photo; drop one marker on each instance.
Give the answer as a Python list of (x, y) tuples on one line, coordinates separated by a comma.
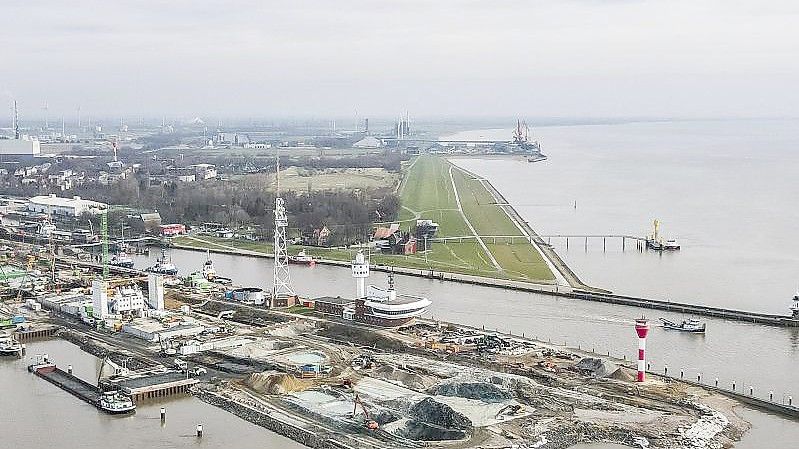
[(649, 366), (790, 401), (771, 396), (665, 370), (682, 374), (717, 382), (163, 414), (733, 385), (699, 378), (624, 356), (751, 390), (69, 369), (199, 430)]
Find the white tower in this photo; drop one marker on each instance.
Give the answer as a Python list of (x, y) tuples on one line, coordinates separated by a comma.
[(99, 299), (155, 290), (360, 271), (281, 278)]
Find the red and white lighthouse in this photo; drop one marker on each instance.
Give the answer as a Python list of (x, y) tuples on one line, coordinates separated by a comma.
[(642, 329)]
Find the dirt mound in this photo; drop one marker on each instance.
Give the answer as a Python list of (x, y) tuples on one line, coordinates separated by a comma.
[(596, 367), (483, 391), (623, 374), (408, 379), (432, 412), (275, 383)]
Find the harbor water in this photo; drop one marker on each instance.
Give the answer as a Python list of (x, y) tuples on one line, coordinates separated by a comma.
[(726, 189), (35, 414)]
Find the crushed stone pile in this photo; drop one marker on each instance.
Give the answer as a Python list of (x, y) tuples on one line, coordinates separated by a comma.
[(596, 367), (417, 382), (483, 391), (430, 411), (271, 382)]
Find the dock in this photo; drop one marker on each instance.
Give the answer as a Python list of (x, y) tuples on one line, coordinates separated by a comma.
[(71, 384), (37, 332), (150, 383)]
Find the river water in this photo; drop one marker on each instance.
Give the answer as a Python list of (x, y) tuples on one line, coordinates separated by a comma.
[(727, 190), (35, 414)]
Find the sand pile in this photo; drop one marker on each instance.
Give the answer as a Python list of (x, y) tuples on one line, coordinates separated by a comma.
[(271, 382), (430, 411)]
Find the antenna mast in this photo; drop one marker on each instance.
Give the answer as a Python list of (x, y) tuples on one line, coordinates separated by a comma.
[(16, 121), (281, 284)]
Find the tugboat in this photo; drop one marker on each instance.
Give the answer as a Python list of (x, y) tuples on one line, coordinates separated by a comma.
[(302, 259), (208, 271), (795, 306), (689, 325), (116, 403), (10, 346), (163, 265)]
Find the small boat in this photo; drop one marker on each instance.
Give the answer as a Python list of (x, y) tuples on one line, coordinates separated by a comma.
[(116, 403), (671, 245), (163, 265), (10, 346), (302, 259), (689, 325), (121, 260), (795, 306)]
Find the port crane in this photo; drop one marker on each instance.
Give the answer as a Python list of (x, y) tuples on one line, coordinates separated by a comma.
[(369, 423)]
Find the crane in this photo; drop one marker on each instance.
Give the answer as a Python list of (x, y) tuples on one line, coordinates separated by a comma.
[(369, 423)]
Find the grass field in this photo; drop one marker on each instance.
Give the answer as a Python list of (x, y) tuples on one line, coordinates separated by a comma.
[(427, 192)]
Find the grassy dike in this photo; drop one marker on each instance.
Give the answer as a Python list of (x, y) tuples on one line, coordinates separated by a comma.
[(428, 191)]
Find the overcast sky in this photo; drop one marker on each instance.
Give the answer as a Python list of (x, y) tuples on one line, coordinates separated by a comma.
[(568, 58)]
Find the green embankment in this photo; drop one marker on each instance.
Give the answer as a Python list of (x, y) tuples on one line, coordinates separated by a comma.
[(427, 192)]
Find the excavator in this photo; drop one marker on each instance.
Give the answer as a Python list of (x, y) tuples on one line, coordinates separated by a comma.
[(368, 423)]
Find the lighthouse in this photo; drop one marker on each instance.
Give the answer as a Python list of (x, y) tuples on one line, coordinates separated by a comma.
[(642, 329), (360, 271)]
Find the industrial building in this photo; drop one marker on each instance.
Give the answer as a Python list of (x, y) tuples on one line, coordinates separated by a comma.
[(23, 147), (65, 207)]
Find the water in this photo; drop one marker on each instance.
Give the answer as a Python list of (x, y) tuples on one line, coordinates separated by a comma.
[(38, 415), (726, 189)]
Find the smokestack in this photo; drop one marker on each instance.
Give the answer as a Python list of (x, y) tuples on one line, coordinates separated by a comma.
[(16, 121)]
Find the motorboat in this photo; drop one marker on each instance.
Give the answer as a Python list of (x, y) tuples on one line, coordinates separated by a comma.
[(10, 346), (302, 259), (689, 325), (208, 271), (163, 265), (121, 260), (116, 403), (671, 245), (795, 306)]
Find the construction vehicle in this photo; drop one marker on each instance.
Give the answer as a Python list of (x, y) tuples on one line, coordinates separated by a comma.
[(369, 423)]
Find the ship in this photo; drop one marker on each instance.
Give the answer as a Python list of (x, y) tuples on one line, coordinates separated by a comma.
[(689, 325), (208, 271), (521, 138), (795, 306), (163, 265), (121, 260), (9, 346), (375, 306), (116, 403), (656, 242), (301, 258)]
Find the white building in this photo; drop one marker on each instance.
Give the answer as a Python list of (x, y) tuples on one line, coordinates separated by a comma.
[(204, 171), (368, 142), (26, 146), (70, 207)]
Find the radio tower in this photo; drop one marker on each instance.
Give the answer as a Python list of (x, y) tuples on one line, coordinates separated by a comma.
[(281, 280)]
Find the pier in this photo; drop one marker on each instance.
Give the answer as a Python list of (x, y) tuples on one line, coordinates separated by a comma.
[(150, 383), (38, 332)]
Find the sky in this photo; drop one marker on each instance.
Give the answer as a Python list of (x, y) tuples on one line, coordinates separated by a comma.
[(432, 58)]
